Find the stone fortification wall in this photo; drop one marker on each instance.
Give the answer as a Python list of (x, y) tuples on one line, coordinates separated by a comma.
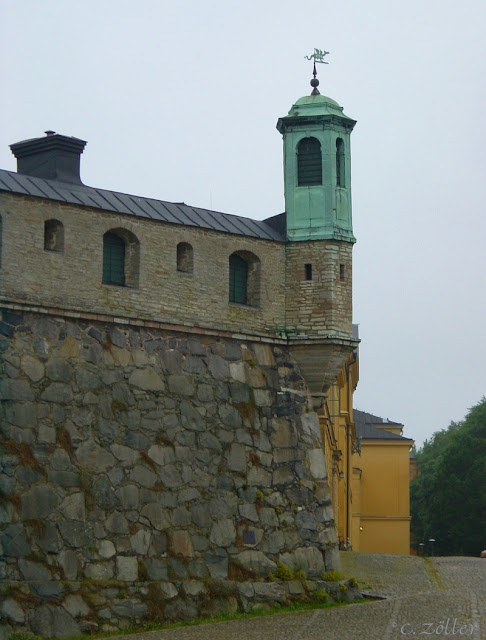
[(149, 474), (72, 278)]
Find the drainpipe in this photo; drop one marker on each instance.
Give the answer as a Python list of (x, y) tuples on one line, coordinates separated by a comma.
[(348, 458), (348, 480)]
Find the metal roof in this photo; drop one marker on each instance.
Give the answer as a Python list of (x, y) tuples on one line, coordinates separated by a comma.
[(158, 210), (369, 432), (367, 427)]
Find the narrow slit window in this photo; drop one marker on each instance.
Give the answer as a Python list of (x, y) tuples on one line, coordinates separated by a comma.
[(341, 272), (340, 168), (185, 257), (53, 236), (308, 271)]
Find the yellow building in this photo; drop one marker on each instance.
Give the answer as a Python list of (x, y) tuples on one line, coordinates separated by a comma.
[(381, 486), (341, 442), (368, 465)]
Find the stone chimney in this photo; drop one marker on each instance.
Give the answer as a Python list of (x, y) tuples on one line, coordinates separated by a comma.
[(54, 157)]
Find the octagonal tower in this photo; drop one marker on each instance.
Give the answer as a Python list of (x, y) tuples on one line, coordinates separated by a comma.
[(318, 278)]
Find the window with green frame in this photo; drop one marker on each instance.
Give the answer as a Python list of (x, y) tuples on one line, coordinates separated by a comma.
[(113, 259), (309, 162), (238, 279)]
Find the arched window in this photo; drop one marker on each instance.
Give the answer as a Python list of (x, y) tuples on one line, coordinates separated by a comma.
[(121, 258), (185, 259), (113, 259), (238, 279), (309, 162), (53, 235), (244, 278), (340, 168)]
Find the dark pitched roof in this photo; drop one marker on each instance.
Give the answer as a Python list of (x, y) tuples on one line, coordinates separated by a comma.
[(159, 210), (366, 430), (368, 418)]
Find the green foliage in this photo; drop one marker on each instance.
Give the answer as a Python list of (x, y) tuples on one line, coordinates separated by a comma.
[(448, 496), (300, 574), (319, 595), (332, 576), (284, 572)]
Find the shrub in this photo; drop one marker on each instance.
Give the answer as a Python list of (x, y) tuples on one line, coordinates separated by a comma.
[(284, 572), (332, 576), (300, 574), (320, 595)]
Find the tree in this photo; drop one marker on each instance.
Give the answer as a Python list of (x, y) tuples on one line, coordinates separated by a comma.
[(448, 497)]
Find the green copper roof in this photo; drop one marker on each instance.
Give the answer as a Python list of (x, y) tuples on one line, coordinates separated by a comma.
[(316, 105)]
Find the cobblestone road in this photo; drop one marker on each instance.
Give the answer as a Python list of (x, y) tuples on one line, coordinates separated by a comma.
[(425, 598)]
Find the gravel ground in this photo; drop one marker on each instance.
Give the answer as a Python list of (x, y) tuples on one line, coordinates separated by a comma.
[(431, 597)]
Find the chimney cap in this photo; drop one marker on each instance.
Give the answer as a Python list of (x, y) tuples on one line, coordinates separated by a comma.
[(51, 140)]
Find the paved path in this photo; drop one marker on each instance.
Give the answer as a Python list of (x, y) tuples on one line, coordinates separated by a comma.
[(425, 598)]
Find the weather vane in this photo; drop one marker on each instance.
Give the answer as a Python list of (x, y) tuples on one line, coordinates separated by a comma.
[(317, 56)]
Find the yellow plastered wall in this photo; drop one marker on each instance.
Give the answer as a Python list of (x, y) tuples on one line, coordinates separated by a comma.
[(385, 496), (356, 509), (337, 423)]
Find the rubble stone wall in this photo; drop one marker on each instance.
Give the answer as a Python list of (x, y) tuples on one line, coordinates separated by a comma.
[(148, 474)]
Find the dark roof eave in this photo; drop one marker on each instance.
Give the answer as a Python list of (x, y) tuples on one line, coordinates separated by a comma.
[(131, 205)]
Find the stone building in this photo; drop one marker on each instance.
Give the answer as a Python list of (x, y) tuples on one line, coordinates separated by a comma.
[(165, 372)]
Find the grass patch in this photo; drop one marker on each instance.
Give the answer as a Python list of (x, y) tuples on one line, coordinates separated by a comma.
[(332, 576), (433, 573), (284, 572), (224, 617), (320, 595)]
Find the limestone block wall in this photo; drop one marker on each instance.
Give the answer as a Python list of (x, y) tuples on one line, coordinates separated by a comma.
[(72, 278), (322, 304), (147, 474)]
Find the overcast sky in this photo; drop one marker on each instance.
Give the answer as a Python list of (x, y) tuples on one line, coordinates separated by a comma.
[(179, 101)]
